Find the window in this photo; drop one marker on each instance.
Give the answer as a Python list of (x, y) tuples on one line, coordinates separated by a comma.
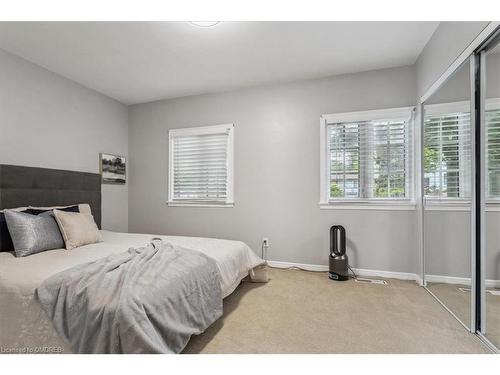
[(201, 166), (447, 151), (366, 157), (493, 149)]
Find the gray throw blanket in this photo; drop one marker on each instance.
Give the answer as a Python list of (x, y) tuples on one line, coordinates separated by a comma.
[(145, 300)]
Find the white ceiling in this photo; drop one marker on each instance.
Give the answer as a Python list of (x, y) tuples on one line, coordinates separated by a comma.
[(137, 62)]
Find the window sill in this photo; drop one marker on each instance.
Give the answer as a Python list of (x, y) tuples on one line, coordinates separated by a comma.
[(447, 207), (205, 204), (379, 206), (492, 206)]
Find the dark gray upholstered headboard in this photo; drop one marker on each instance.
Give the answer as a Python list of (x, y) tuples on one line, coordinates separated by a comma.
[(29, 186)]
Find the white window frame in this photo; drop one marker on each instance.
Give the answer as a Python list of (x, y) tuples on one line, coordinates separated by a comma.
[(406, 113), (456, 204), (201, 130)]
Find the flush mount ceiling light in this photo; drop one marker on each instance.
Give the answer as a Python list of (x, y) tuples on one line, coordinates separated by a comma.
[(204, 23)]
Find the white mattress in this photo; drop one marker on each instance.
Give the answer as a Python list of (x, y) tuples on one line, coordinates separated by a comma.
[(23, 323)]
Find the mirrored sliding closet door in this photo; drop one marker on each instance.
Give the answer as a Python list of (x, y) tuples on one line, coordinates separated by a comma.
[(460, 151), (489, 61), (447, 158)]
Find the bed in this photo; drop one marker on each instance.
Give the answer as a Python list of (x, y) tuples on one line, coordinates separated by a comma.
[(24, 326)]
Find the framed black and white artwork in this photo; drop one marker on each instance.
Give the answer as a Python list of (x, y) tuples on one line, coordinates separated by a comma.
[(112, 169)]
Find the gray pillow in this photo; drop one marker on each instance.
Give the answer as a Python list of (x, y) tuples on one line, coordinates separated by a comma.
[(32, 234)]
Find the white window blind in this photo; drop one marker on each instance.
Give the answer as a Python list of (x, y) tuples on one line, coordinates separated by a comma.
[(493, 153), (447, 155), (447, 150), (200, 166), (368, 159)]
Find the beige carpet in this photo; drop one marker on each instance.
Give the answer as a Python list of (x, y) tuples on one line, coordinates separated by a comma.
[(456, 300), (459, 302), (305, 312)]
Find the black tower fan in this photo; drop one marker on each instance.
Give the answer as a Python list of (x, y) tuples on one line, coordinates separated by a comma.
[(338, 258)]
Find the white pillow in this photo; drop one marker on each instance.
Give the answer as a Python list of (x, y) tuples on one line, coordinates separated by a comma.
[(77, 229)]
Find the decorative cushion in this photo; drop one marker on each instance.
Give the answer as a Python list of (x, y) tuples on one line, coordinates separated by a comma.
[(77, 229), (33, 234), (82, 207), (38, 211), (5, 239)]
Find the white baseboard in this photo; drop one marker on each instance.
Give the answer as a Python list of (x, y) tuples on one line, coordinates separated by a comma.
[(359, 271), (459, 280), (387, 274), (447, 279), (308, 267)]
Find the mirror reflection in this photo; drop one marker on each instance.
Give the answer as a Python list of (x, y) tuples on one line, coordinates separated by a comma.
[(492, 195), (447, 164)]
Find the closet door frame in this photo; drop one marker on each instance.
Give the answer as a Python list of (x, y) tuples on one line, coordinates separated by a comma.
[(475, 54), (480, 92)]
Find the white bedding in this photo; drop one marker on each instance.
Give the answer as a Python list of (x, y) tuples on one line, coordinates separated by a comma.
[(23, 323)]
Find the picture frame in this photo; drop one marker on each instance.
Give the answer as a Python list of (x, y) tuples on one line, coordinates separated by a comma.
[(113, 168)]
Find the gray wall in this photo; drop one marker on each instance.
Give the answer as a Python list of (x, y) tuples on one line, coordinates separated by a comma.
[(49, 121), (457, 88), (448, 41), (276, 170), (448, 244)]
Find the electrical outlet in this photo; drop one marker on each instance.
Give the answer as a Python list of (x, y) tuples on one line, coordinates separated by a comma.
[(265, 247)]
